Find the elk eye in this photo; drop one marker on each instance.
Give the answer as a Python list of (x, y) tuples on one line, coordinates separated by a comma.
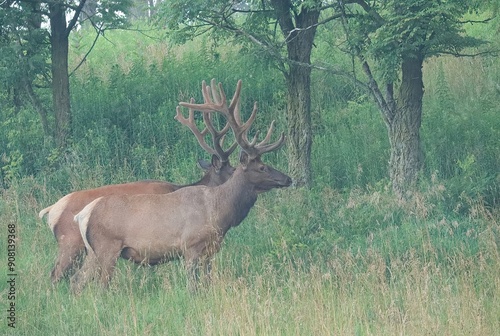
[(262, 168)]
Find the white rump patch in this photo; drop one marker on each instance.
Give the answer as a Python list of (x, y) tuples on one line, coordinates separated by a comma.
[(57, 210), (82, 218)]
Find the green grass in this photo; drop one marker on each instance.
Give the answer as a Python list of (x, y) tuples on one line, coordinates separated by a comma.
[(418, 273)]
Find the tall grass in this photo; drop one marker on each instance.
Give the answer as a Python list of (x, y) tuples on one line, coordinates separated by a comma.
[(418, 275)]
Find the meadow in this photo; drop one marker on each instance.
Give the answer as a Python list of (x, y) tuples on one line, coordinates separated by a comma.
[(414, 274), (342, 258)]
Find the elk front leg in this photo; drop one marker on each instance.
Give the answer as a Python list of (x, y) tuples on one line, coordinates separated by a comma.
[(193, 273), (198, 257), (199, 272)]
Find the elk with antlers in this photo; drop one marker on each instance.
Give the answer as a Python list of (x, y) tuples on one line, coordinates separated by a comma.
[(189, 223), (61, 214)]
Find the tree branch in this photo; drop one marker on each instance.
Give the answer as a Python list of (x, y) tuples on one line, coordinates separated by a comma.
[(226, 25), (88, 52), (457, 54), (368, 9), (387, 113), (476, 21), (331, 18), (74, 19)]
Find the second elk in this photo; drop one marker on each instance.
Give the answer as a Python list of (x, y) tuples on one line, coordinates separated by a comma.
[(190, 222)]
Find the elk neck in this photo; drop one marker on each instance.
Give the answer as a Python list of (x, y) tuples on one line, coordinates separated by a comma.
[(234, 200)]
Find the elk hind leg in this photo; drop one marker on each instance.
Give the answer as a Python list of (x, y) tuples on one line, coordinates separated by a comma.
[(107, 262), (70, 253), (70, 246), (98, 263)]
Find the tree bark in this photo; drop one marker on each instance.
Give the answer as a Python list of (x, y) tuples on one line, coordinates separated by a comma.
[(60, 78), (299, 125), (404, 129), (37, 104), (26, 80), (299, 31)]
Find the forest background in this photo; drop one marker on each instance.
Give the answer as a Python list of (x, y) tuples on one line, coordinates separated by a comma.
[(344, 255)]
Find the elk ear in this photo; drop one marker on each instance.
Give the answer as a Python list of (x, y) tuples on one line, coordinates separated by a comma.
[(216, 162), (204, 165), (244, 158)]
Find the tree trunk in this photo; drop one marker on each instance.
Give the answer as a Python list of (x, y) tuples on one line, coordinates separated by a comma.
[(37, 104), (34, 23), (299, 31), (404, 129), (299, 138), (60, 79)]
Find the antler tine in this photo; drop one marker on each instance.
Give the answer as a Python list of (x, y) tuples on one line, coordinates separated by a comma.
[(245, 127), (209, 105), (264, 148), (189, 122), (216, 101), (251, 147), (218, 138), (236, 98), (268, 135), (219, 96), (207, 97), (207, 119)]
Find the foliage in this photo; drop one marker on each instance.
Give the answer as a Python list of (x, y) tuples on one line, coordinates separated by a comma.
[(114, 127), (263, 28), (393, 30), (29, 30), (23, 49)]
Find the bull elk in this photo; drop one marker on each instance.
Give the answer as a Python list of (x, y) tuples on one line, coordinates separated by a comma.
[(61, 214), (190, 222)]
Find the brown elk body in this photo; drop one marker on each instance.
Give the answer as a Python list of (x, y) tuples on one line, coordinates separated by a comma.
[(189, 223), (61, 214)]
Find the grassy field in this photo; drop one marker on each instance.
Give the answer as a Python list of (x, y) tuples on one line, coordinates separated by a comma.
[(417, 275)]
